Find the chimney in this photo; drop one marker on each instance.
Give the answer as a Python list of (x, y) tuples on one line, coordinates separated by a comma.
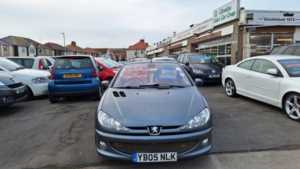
[(174, 34), (142, 40), (73, 43)]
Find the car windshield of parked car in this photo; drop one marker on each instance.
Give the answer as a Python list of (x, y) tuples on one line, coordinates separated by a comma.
[(200, 59), (292, 66), (27, 63), (108, 62), (10, 65), (152, 75), (73, 63)]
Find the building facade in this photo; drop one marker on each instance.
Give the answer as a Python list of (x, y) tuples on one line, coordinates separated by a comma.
[(137, 50), (233, 34)]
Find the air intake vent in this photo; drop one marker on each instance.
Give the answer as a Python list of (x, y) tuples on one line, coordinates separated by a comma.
[(116, 94), (122, 94)]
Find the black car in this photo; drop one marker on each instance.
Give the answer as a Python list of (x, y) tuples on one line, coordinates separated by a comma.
[(201, 67), (153, 112), (10, 90)]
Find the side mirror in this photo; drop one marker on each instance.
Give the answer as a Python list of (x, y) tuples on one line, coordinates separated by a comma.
[(100, 68), (273, 72), (105, 84), (187, 64), (199, 82)]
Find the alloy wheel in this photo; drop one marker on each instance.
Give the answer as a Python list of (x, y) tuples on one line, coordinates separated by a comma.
[(292, 106), (230, 88)]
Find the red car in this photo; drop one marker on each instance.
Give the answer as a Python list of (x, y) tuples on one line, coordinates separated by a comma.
[(108, 68)]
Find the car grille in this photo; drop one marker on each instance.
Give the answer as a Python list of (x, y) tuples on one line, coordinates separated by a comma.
[(16, 85), (129, 148)]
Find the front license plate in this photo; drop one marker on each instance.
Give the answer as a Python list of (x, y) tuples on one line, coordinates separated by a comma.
[(68, 76), (154, 157), (214, 76)]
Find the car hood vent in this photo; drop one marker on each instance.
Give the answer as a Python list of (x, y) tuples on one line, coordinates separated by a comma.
[(119, 94), (116, 94), (122, 94)]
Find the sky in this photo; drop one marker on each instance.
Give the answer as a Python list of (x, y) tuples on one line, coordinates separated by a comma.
[(112, 23)]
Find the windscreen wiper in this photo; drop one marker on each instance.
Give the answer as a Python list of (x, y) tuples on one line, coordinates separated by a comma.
[(161, 86), (128, 87)]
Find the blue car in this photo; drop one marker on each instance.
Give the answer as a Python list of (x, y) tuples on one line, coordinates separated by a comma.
[(74, 76)]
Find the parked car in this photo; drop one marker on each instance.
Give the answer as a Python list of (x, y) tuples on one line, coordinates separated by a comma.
[(139, 59), (201, 67), (271, 79), (36, 81), (164, 59), (107, 68), (10, 90), (74, 75), (39, 62), (153, 112), (287, 50)]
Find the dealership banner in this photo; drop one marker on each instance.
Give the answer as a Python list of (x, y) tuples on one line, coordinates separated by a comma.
[(226, 13), (269, 18)]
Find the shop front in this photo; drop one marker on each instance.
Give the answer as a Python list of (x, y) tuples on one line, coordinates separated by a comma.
[(265, 30)]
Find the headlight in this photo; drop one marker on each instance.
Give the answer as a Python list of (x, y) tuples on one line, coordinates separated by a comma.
[(198, 71), (2, 84), (39, 80), (199, 120), (108, 122)]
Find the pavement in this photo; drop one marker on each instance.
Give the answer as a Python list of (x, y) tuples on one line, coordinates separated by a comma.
[(247, 134)]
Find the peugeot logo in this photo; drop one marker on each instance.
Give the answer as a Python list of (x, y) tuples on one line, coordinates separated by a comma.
[(154, 130)]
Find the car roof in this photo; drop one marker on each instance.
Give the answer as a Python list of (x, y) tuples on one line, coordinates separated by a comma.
[(22, 57), (66, 56), (28, 57), (276, 57)]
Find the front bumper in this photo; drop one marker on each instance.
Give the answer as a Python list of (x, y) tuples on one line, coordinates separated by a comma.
[(11, 96), (201, 138), (39, 89), (208, 78)]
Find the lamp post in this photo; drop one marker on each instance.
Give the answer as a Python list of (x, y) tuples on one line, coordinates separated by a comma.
[(64, 37)]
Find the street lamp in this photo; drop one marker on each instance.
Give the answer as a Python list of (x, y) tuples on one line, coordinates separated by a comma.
[(64, 37)]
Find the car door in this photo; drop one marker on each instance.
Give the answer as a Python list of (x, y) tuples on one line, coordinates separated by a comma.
[(241, 76), (265, 87)]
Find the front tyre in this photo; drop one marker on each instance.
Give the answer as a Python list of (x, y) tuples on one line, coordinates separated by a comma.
[(230, 88), (291, 106)]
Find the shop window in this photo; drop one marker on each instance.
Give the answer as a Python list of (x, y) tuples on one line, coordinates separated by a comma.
[(281, 39), (222, 50), (261, 44), (228, 49)]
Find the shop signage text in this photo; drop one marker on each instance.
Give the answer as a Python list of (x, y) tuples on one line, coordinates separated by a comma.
[(270, 18), (226, 13)]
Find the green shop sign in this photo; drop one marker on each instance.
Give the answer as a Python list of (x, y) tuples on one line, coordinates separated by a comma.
[(226, 13)]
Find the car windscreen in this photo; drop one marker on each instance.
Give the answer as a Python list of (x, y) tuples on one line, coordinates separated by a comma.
[(200, 59), (292, 66), (150, 75), (27, 63), (108, 63), (10, 65), (73, 63)]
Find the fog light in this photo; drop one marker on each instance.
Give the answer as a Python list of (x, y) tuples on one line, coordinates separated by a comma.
[(205, 141), (102, 145)]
